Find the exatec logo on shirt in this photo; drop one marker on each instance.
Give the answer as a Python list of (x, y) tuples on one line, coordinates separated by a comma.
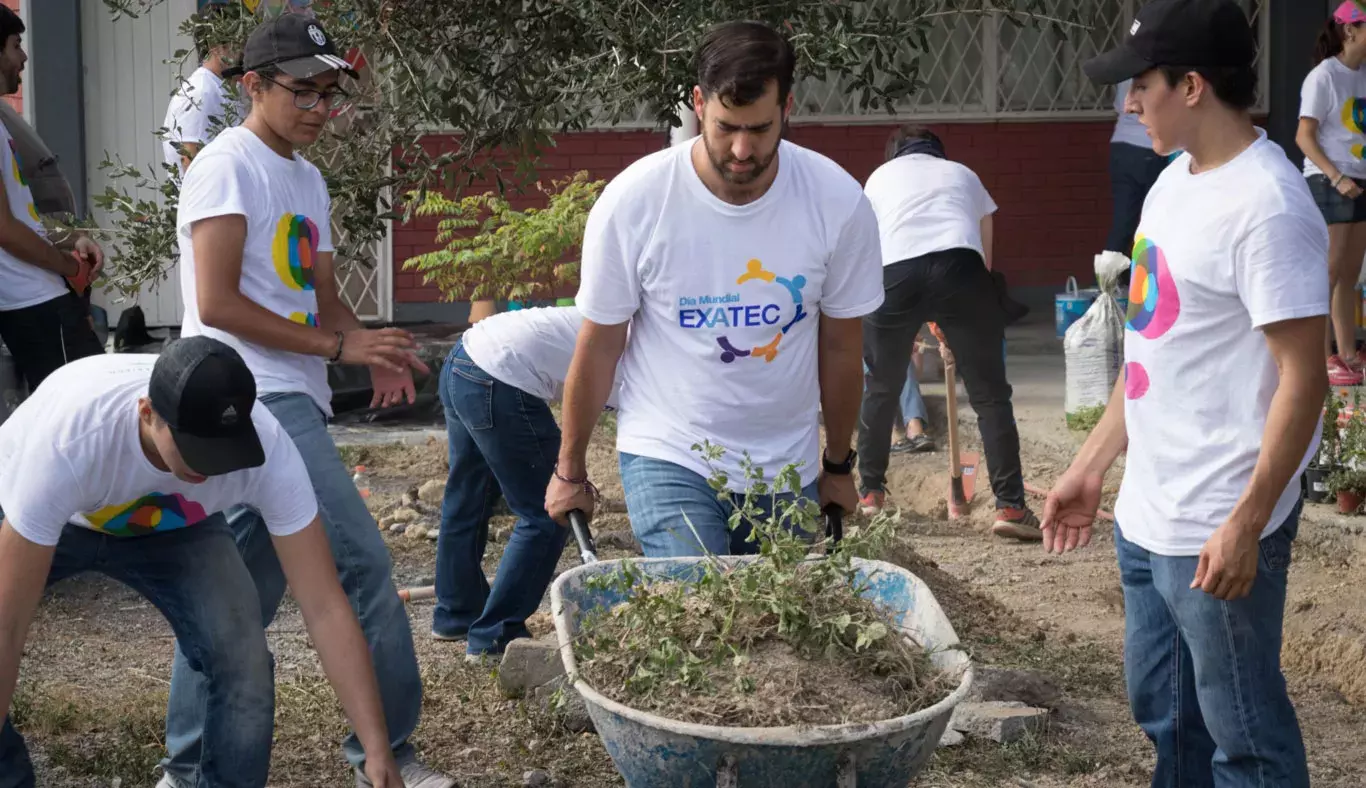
[(762, 302)]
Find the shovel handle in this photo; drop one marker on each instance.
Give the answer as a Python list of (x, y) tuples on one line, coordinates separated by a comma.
[(834, 522), (578, 523)]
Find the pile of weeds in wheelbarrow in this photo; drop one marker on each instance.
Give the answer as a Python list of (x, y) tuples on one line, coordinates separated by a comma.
[(785, 640)]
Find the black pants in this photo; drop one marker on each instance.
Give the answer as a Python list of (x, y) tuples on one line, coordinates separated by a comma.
[(1133, 171), (45, 336), (954, 289)]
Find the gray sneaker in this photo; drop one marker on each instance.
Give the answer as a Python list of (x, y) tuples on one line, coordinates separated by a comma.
[(415, 775)]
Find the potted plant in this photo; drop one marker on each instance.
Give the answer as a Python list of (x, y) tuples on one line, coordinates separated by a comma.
[(1350, 488), (492, 251), (1329, 456)]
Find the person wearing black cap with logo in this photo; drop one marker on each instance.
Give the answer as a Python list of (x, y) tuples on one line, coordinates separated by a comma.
[(123, 465), (257, 273), (1218, 407)]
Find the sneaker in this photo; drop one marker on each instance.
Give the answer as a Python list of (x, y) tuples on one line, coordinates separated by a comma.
[(415, 775), (918, 444), (1018, 524), (167, 781), (872, 503), (1339, 374), (444, 638)]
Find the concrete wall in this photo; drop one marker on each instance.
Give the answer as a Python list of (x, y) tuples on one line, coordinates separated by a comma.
[(54, 46)]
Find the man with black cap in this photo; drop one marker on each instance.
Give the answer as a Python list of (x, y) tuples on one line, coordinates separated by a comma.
[(1218, 407), (122, 464), (255, 235)]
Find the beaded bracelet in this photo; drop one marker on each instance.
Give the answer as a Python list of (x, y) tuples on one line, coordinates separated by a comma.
[(584, 483)]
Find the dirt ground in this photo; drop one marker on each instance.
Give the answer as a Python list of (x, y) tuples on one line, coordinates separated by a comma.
[(97, 666)]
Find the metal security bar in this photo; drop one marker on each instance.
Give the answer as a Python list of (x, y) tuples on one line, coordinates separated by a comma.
[(987, 65)]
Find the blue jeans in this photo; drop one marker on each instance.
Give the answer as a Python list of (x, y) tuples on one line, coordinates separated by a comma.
[(503, 441), (196, 578), (660, 495), (1133, 171), (363, 566), (912, 404), (1204, 676)]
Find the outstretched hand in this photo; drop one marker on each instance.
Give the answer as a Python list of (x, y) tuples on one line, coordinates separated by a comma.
[(1070, 511)]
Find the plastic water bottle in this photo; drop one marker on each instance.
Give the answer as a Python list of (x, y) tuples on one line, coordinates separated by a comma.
[(362, 480)]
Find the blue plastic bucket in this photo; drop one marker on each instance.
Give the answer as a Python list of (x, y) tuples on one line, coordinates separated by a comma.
[(1070, 305)]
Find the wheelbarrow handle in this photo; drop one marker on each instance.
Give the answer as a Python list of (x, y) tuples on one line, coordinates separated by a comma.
[(834, 522), (578, 523)]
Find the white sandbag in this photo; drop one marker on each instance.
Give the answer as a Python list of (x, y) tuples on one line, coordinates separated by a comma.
[(1094, 345)]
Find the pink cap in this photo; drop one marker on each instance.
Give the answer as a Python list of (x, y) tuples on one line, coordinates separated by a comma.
[(1349, 12)]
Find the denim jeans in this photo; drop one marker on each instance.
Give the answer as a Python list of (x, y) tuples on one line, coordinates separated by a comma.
[(954, 289), (912, 404), (364, 568), (1204, 676), (196, 578), (662, 498), (502, 441)]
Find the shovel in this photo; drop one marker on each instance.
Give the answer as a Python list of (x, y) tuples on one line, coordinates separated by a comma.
[(962, 464)]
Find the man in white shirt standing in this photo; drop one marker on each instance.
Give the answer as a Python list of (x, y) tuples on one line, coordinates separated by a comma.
[(1218, 407), (254, 225), (935, 219), (43, 321), (743, 264), (123, 465), (496, 387), (201, 106)]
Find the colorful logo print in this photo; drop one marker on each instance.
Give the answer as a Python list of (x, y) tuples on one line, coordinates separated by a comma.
[(755, 272), (304, 318), (18, 175), (296, 241), (1354, 115), (150, 513), (1136, 380), (1154, 303), (1358, 151)]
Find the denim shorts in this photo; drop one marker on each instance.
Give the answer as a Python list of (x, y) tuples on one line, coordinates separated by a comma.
[(1336, 208)]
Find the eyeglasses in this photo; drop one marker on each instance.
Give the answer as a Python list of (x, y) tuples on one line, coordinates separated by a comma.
[(308, 98)]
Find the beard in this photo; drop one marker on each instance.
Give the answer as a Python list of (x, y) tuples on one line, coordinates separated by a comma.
[(722, 159)]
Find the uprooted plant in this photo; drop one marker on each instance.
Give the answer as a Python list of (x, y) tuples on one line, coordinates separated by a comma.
[(787, 639)]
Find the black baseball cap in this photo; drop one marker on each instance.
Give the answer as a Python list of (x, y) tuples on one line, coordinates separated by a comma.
[(204, 392), (294, 43), (1190, 33)]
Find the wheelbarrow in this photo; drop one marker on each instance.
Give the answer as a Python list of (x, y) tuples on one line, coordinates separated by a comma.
[(651, 751)]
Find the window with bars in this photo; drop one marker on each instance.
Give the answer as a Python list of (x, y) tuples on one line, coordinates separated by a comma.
[(987, 65)]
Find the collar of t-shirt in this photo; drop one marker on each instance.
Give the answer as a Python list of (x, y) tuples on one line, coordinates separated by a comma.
[(699, 188)]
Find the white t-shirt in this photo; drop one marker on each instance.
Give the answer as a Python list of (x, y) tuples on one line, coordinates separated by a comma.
[(529, 349), (927, 204), (72, 453), (288, 215), (199, 108), (21, 284), (1128, 129), (1335, 96), (1217, 256), (724, 302)]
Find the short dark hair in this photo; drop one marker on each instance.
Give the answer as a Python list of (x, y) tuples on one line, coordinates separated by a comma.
[(910, 131), (206, 24), (10, 24), (1235, 86), (737, 60)]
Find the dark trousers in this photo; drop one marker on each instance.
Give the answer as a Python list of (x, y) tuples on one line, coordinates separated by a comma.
[(45, 336), (953, 289), (1133, 171)]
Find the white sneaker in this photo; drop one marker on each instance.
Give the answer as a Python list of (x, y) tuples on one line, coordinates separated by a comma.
[(415, 775), (167, 781)]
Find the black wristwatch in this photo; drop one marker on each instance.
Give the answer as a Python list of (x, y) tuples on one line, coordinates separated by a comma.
[(841, 468)]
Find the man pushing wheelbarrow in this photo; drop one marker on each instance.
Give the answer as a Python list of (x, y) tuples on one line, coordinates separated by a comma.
[(743, 265)]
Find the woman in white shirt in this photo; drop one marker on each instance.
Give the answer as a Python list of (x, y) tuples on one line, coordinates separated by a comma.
[(1332, 135)]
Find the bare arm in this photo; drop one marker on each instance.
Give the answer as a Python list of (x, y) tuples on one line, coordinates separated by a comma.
[(987, 229), (311, 573), (218, 244), (1109, 439), (1292, 419), (841, 378), (22, 242), (1307, 137), (586, 389), (333, 313), (23, 576)]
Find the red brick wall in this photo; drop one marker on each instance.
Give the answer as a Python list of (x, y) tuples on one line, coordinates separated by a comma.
[(1050, 181), (17, 100)]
